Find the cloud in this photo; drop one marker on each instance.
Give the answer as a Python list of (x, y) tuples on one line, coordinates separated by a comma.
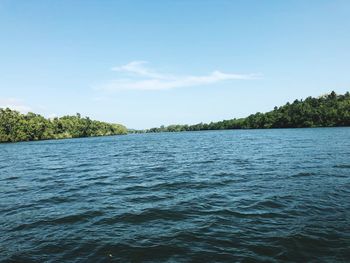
[(52, 115), (139, 77), (138, 68), (14, 104)]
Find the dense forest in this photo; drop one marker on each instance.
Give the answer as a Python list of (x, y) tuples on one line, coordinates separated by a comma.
[(15, 127), (330, 110)]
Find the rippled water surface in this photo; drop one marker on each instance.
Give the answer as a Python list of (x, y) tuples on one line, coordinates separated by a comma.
[(223, 196)]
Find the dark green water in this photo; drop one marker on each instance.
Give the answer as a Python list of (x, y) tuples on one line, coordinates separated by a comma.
[(225, 196)]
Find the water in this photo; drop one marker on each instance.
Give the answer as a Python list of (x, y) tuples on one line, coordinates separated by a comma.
[(223, 196)]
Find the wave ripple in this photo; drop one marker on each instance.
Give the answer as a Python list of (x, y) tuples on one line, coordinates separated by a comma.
[(223, 196)]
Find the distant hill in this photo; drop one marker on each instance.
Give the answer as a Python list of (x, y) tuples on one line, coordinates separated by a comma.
[(15, 127), (330, 110)]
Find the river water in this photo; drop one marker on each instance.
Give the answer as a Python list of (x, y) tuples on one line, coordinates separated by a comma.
[(216, 196)]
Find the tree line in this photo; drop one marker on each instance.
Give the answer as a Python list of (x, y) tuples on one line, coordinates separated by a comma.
[(329, 110), (15, 126)]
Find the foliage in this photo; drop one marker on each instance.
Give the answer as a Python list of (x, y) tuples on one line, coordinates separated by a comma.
[(325, 111), (15, 127)]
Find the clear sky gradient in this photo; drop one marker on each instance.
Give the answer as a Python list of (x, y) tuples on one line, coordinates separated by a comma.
[(148, 63)]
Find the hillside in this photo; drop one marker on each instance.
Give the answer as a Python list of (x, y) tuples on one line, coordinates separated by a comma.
[(15, 127), (330, 110)]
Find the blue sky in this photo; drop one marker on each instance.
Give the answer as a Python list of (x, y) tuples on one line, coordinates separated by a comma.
[(148, 63)]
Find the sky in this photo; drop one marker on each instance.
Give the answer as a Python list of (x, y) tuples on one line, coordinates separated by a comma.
[(151, 63)]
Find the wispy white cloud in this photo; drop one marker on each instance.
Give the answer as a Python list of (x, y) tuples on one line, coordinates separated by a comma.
[(140, 77), (14, 104), (139, 68)]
